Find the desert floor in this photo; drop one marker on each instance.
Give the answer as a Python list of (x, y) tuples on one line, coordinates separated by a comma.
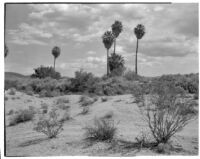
[(22, 140)]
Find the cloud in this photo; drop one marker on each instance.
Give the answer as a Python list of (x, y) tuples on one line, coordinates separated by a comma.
[(27, 34), (171, 33), (91, 52)]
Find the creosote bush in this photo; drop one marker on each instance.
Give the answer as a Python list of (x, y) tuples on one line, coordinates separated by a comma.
[(167, 112), (49, 124), (102, 130)]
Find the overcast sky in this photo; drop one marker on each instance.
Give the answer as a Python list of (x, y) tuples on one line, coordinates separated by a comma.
[(169, 46)]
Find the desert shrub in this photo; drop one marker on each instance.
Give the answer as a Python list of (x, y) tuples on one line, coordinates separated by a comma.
[(43, 72), (138, 93), (85, 110), (62, 100), (10, 84), (49, 124), (21, 116), (12, 91), (86, 101), (189, 82), (167, 112), (130, 75), (83, 82), (102, 130), (104, 99), (83, 98)]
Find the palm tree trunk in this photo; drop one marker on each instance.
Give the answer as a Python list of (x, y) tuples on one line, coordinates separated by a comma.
[(54, 63), (114, 45), (136, 57), (107, 63)]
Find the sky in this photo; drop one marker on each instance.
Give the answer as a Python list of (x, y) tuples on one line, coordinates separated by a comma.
[(169, 46)]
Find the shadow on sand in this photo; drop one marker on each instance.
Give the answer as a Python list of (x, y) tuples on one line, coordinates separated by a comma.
[(33, 142)]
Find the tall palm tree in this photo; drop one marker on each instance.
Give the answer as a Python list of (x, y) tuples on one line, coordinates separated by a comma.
[(139, 33), (108, 39), (5, 51), (116, 29), (55, 53)]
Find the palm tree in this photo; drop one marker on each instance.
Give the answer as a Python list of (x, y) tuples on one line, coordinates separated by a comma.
[(55, 53), (116, 29), (5, 51), (108, 39), (139, 33)]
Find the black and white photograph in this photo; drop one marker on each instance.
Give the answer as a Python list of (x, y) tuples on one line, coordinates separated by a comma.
[(101, 79)]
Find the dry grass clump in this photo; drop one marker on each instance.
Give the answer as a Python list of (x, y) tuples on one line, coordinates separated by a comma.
[(101, 130), (21, 116)]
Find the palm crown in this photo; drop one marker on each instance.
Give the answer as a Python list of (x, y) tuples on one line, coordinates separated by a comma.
[(139, 31), (117, 28), (56, 51), (108, 39)]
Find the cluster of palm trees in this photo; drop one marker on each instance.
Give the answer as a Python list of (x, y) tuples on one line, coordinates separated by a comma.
[(110, 37)]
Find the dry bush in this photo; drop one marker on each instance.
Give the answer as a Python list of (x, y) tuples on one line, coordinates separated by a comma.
[(49, 124), (62, 100), (86, 101), (101, 130), (21, 116), (166, 112), (85, 110), (12, 91), (104, 99)]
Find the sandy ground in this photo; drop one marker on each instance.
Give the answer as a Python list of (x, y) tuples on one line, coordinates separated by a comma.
[(22, 140)]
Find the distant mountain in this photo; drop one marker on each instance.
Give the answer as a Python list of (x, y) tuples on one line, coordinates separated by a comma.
[(14, 76)]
